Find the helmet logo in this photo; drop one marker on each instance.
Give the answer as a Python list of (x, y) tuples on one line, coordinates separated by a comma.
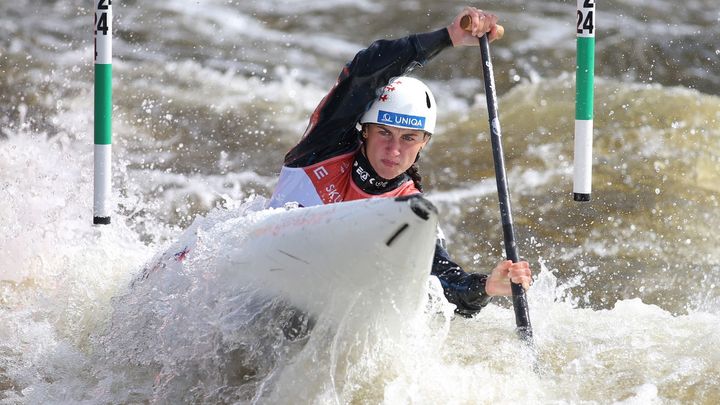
[(400, 104), (401, 120)]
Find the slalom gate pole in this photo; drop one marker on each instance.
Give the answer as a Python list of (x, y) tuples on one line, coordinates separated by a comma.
[(584, 79), (103, 110), (520, 305)]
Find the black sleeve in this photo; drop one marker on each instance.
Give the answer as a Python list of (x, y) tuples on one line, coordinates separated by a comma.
[(465, 290), (332, 130)]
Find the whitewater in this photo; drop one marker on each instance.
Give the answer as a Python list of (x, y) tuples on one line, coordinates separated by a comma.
[(210, 95)]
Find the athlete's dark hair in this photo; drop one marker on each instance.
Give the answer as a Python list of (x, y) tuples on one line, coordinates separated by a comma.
[(414, 172), (415, 176)]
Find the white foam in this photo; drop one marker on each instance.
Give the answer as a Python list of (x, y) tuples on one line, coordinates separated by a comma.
[(58, 271), (58, 274)]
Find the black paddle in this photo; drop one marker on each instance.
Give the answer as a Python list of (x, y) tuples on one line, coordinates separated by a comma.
[(522, 316)]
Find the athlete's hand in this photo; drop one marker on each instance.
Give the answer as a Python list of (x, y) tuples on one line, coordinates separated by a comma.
[(498, 283), (481, 22)]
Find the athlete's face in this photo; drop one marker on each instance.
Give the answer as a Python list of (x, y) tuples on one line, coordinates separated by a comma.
[(390, 150)]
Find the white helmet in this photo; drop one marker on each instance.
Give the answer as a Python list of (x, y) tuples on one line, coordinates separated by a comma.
[(405, 102)]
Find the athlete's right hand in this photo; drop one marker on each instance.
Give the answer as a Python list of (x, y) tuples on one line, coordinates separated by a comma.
[(481, 22)]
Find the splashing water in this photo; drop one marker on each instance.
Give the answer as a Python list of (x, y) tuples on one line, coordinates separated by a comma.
[(209, 97)]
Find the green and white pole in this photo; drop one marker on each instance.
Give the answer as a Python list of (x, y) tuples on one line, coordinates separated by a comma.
[(103, 110), (584, 77)]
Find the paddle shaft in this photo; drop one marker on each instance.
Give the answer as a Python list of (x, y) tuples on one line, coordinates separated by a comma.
[(522, 316)]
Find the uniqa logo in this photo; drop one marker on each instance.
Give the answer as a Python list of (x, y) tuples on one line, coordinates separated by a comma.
[(401, 120)]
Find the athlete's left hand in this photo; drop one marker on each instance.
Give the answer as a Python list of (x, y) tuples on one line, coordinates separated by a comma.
[(498, 283)]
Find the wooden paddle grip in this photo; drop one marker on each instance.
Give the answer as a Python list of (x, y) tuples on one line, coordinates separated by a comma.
[(466, 24)]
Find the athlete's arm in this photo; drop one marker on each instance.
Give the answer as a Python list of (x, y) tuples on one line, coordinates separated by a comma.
[(331, 130), (470, 292), (465, 290)]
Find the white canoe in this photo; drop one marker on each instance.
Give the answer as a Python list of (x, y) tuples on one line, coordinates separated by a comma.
[(372, 255)]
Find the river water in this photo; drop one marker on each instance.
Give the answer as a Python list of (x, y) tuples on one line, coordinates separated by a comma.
[(208, 97)]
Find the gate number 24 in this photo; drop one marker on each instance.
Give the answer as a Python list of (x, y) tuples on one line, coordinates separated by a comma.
[(101, 24), (585, 22)]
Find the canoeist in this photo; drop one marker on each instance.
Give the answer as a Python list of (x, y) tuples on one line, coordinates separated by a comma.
[(365, 138)]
